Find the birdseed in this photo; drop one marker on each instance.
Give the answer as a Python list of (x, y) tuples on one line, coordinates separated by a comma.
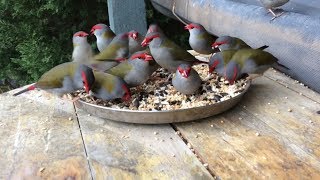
[(159, 95)]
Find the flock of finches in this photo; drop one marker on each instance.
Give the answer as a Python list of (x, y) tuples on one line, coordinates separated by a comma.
[(128, 59)]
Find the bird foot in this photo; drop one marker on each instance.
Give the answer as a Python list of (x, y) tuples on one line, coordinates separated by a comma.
[(169, 78), (210, 76), (275, 15)]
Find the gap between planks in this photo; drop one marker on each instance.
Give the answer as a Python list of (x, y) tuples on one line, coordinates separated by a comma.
[(84, 145), (196, 154)]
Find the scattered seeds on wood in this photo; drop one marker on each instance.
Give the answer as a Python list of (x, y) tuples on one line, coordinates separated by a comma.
[(42, 169), (205, 165)]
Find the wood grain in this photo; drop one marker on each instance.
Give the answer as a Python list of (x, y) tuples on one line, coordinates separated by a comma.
[(38, 141), (128, 151), (292, 84), (254, 141)]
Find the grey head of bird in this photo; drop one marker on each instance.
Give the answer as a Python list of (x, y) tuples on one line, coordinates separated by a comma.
[(87, 77), (133, 34), (153, 38), (222, 41), (79, 37), (99, 29), (195, 28), (142, 55), (184, 70), (232, 72), (216, 61)]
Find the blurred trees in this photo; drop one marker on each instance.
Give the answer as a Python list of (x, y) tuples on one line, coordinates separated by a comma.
[(36, 35)]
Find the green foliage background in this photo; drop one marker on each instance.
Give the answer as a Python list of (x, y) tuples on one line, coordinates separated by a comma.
[(37, 35)]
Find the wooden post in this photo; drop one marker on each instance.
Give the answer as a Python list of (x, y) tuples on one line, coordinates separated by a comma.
[(127, 15)]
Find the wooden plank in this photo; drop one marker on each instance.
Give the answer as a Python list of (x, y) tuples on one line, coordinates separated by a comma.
[(292, 84), (253, 140), (129, 151), (38, 141), (127, 15)]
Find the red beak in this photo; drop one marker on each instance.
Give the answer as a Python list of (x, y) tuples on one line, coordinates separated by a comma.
[(135, 36), (85, 34), (188, 27), (148, 57), (92, 31), (217, 44), (184, 74), (144, 43)]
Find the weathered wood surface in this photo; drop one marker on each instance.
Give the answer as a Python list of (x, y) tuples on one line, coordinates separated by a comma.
[(130, 151), (292, 84), (260, 138), (37, 139)]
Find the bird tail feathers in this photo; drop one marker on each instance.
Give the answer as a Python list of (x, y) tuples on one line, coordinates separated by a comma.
[(282, 66), (263, 47), (32, 87)]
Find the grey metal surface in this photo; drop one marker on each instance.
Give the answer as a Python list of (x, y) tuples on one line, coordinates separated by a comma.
[(127, 15), (160, 117), (294, 38)]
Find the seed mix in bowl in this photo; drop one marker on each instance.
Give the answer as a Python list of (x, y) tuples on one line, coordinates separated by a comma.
[(158, 94)]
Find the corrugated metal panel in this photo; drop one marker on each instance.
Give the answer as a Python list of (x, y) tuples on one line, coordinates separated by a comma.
[(294, 37)]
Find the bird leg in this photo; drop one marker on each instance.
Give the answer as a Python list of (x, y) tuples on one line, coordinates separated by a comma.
[(210, 76), (274, 14), (169, 77)]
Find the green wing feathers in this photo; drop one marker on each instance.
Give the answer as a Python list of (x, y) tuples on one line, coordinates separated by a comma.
[(121, 70), (260, 57), (54, 77), (178, 52), (208, 37), (109, 53), (104, 80)]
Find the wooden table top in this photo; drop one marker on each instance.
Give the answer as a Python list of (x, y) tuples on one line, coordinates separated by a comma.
[(273, 133)]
